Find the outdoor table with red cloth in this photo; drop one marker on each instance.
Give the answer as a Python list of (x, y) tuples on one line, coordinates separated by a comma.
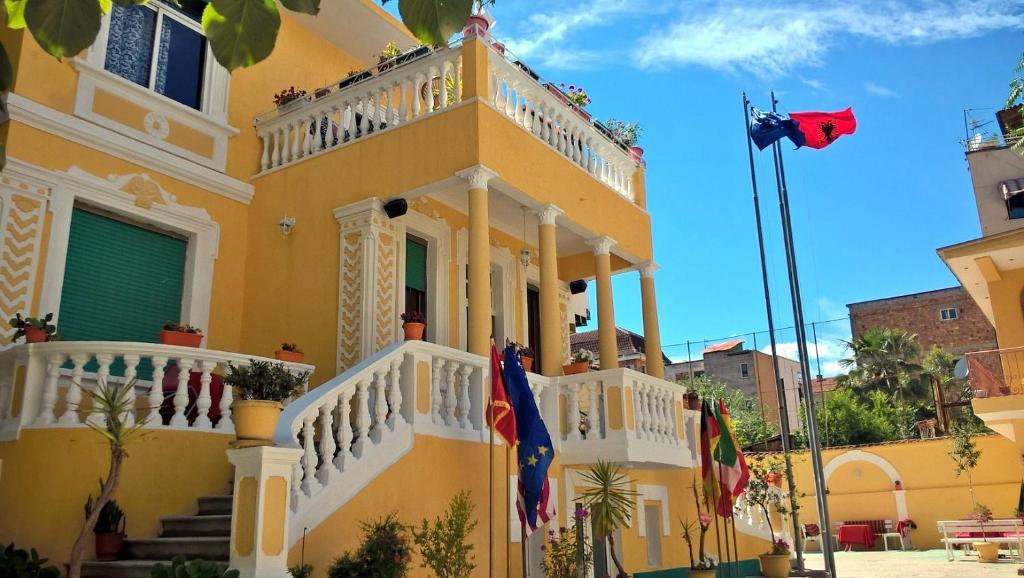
[(853, 534)]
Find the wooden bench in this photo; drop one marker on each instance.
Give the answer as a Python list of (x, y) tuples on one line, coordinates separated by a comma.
[(1009, 532)]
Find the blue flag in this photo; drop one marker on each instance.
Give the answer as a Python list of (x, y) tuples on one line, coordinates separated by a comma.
[(535, 451), (768, 127)]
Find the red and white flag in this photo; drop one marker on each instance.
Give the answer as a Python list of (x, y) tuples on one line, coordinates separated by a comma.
[(545, 508)]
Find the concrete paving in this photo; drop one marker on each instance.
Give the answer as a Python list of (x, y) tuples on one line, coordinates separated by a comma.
[(924, 564)]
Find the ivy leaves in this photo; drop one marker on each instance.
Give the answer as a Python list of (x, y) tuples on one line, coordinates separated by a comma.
[(434, 21), (242, 32), (63, 27)]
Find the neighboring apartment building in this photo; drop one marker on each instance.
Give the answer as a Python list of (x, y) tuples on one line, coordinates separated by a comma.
[(948, 318), (142, 190), (749, 371), (632, 348)]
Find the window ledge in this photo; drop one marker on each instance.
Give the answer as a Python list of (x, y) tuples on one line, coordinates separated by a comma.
[(142, 114)]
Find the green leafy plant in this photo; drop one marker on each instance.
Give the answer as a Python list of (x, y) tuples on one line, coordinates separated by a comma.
[(112, 403), (288, 95), (294, 348), (384, 552), (704, 561), (390, 51), (562, 554), (15, 563), (609, 498), (301, 571), (582, 356), (111, 517), (1016, 99), (965, 455), (20, 324), (626, 133), (181, 328), (444, 544), (780, 547), (181, 568), (761, 493), (264, 380), (576, 95)]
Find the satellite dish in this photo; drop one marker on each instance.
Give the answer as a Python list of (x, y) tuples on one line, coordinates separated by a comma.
[(960, 369)]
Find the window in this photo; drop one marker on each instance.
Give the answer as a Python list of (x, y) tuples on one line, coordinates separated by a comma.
[(948, 314), (652, 525), (533, 324), (1015, 206), (160, 47), (744, 370)]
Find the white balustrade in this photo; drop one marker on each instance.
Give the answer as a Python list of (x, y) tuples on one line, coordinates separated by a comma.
[(177, 380), (430, 85)]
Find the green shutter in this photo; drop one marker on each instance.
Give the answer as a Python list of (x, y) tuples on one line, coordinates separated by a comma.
[(121, 281), (415, 265)]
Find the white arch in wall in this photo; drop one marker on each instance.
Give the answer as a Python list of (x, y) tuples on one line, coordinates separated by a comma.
[(881, 463)]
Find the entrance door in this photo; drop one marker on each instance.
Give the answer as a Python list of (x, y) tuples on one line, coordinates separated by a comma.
[(533, 324)]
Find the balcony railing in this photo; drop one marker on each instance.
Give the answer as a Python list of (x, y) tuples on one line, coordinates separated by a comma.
[(42, 384), (365, 105), (996, 372)]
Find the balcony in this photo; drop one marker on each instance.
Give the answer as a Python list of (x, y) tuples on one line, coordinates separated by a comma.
[(996, 373), (405, 93), (42, 384)]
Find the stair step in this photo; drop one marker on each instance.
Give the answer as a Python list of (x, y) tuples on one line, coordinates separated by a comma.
[(214, 505), (207, 548), (184, 526), (121, 569)]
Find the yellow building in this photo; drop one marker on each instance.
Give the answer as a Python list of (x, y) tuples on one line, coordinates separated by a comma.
[(145, 184)]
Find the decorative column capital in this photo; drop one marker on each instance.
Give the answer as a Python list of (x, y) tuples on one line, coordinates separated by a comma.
[(602, 245), (647, 269), (548, 214), (477, 176)]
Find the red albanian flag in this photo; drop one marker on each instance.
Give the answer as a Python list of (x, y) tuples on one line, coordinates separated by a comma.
[(500, 415), (820, 129)]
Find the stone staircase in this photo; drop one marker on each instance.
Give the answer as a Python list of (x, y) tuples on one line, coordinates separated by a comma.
[(205, 535)]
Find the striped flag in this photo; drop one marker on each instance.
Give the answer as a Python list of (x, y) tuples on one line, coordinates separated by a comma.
[(709, 440), (733, 468), (545, 508)]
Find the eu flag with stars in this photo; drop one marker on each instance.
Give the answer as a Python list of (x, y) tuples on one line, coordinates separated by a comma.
[(535, 451), (768, 127)]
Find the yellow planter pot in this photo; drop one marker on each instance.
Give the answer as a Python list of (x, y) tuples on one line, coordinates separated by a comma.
[(775, 566), (987, 551), (255, 420), (702, 573)]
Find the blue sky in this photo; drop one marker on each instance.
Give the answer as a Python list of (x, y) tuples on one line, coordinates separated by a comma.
[(868, 212)]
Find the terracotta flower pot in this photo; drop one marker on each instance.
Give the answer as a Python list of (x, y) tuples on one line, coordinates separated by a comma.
[(527, 363), (35, 335), (898, 486), (775, 566), (289, 356), (709, 573), (637, 153), (180, 338), (987, 551), (693, 402), (255, 420), (574, 368), (414, 331), (476, 25), (109, 546), (775, 479)]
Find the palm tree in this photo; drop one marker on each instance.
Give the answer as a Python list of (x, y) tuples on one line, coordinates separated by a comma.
[(886, 359), (609, 498)]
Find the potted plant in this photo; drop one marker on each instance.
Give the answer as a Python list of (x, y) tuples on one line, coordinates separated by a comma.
[(762, 494), (577, 99), (180, 568), (627, 134), (181, 334), (579, 362), (259, 388), (477, 24), (897, 485), (410, 55), (290, 99), (529, 71), (526, 356), (987, 551), (321, 92), (386, 58), (692, 400), (414, 325), (704, 565), (33, 329), (775, 479), (301, 571), (353, 77), (109, 529), (290, 352)]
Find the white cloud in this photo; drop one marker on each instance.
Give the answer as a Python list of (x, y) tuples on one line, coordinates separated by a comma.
[(770, 41), (879, 90), (813, 83), (829, 352), (546, 36)]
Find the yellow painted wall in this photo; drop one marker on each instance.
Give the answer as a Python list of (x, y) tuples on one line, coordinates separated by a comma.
[(860, 490), (48, 474), (1005, 295)]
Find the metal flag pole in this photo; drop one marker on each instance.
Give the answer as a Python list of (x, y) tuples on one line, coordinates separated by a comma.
[(780, 388), (490, 488), (508, 511), (805, 370)]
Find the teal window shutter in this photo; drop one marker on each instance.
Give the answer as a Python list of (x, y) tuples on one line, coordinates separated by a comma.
[(121, 281), (415, 265)]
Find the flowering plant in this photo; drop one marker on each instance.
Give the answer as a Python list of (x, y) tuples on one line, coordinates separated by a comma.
[(628, 133), (288, 95), (583, 356), (704, 561), (780, 547), (413, 317), (561, 558), (576, 95)]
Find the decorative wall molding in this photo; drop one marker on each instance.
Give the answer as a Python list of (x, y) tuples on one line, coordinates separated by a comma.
[(548, 214), (650, 493), (85, 133), (648, 269), (602, 245), (875, 460), (23, 202), (137, 198), (477, 176)]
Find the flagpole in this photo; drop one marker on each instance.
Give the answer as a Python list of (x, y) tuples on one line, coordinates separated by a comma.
[(490, 501), (508, 511), (780, 388), (735, 546), (805, 370)]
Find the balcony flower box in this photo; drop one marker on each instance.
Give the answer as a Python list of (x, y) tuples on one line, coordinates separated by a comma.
[(583, 114), (529, 71), (293, 105), (418, 52), (576, 368), (290, 353), (353, 78), (557, 93), (181, 335), (601, 128)]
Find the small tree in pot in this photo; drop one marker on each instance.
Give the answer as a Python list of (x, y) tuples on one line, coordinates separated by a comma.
[(258, 389), (109, 529), (609, 498), (761, 493)]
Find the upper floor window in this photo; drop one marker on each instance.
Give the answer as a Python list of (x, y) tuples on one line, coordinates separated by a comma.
[(1012, 193), (949, 314), (744, 370), (161, 47)]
